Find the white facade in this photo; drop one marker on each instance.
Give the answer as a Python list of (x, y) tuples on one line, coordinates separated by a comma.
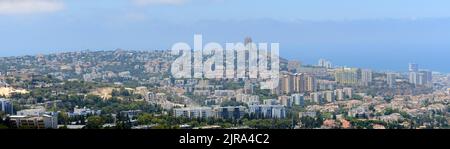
[(298, 99), (32, 112), (197, 112), (366, 77)]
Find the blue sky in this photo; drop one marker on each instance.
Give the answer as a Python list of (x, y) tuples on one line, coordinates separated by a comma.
[(378, 34)]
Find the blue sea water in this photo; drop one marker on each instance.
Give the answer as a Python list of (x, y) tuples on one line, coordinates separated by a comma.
[(377, 57)]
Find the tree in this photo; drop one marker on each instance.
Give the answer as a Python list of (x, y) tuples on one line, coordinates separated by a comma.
[(357, 97), (2, 122), (3, 126), (145, 119), (123, 122), (94, 122), (309, 122), (63, 118)]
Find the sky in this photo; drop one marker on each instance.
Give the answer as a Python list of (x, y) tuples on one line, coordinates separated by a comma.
[(376, 34)]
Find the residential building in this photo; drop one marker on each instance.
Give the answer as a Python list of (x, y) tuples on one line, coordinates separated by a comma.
[(45, 121), (316, 97), (414, 78), (202, 93), (249, 88), (227, 93), (194, 112), (247, 98), (425, 78), (329, 96), (286, 83), (390, 79), (285, 101), (83, 112), (6, 106), (267, 111), (339, 94), (366, 77), (299, 83), (298, 99), (37, 111), (294, 66), (413, 67), (270, 102), (326, 85), (307, 114), (325, 63), (348, 92), (347, 76), (311, 83)]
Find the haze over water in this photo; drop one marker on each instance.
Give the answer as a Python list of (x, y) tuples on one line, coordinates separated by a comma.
[(381, 35)]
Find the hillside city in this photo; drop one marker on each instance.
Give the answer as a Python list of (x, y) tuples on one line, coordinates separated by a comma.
[(126, 89)]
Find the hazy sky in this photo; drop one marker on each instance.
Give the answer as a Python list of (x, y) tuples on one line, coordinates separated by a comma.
[(379, 34)]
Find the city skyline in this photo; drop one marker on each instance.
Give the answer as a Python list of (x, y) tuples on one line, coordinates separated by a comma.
[(223, 73), (126, 89), (317, 62)]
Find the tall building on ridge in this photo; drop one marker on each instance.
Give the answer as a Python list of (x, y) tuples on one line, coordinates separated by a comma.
[(311, 83), (325, 63), (420, 77), (425, 78), (413, 67), (329, 96)]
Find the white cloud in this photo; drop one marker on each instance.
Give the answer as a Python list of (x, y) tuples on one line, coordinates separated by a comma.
[(159, 2), (18, 7)]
